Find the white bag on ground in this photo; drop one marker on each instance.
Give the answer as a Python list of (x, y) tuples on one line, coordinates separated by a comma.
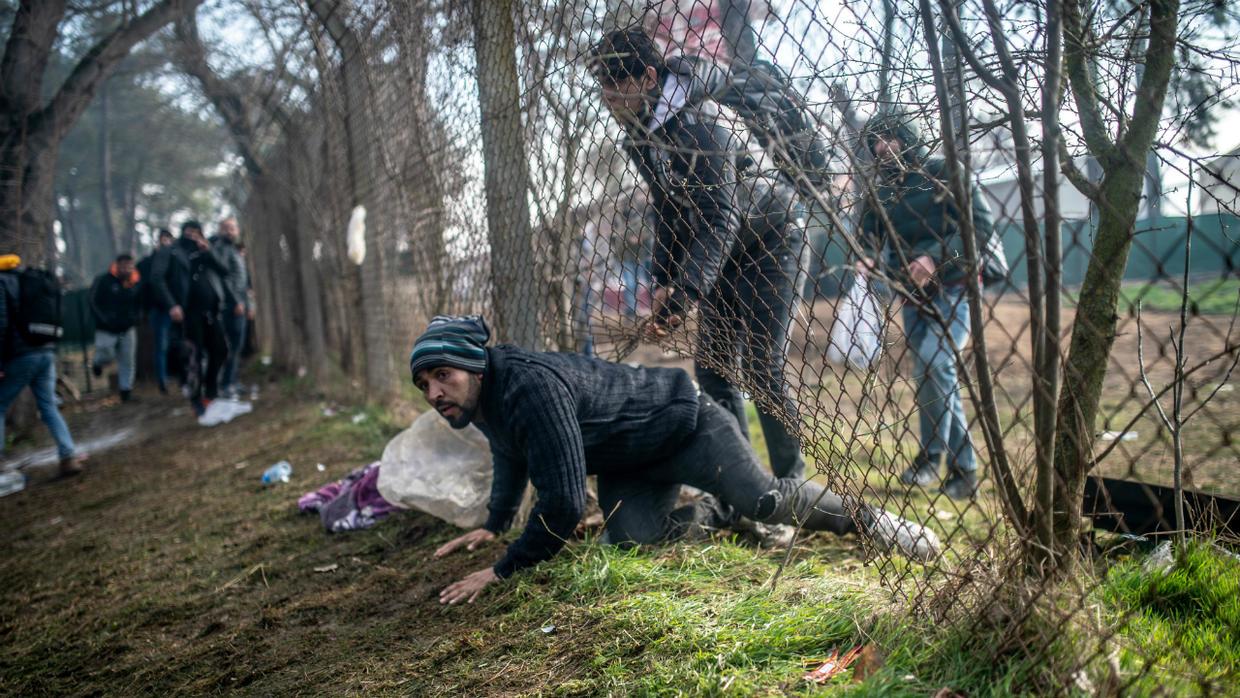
[(857, 331), (442, 471)]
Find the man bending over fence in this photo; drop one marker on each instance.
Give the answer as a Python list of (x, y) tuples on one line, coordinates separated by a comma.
[(728, 241), (554, 418)]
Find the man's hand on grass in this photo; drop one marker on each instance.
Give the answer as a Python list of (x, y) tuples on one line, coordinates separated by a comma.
[(469, 541), (468, 588)]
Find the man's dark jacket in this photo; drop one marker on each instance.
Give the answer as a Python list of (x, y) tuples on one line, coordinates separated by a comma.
[(692, 167), (236, 277), (116, 307), (209, 293), (553, 418), (924, 219), (170, 277)]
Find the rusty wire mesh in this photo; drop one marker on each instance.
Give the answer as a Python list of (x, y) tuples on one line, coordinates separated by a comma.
[(455, 133)]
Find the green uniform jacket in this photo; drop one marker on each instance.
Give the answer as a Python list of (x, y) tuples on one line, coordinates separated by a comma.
[(924, 219)]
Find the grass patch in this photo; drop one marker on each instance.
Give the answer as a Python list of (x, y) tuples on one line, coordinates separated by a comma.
[(1187, 617), (1214, 297)]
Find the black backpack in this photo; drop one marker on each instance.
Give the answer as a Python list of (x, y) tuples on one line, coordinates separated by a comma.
[(38, 307), (764, 96)]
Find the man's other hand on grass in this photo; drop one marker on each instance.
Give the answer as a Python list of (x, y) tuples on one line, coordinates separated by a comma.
[(468, 588), (470, 541)]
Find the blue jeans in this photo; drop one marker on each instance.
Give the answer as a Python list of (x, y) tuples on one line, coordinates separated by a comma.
[(161, 326), (36, 369), (944, 426), (120, 348), (234, 332)]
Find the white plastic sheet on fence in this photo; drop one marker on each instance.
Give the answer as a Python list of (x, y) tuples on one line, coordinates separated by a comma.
[(442, 471), (858, 328)]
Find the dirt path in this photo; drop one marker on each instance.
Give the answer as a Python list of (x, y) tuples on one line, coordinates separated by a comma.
[(167, 567)]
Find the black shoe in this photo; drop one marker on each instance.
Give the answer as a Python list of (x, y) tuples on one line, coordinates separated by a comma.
[(962, 484), (922, 473), (127, 396), (163, 388), (97, 370)]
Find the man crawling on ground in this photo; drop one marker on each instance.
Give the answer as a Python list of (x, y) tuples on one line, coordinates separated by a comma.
[(552, 419)]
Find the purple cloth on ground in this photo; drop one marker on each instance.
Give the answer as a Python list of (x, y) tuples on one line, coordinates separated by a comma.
[(349, 504)]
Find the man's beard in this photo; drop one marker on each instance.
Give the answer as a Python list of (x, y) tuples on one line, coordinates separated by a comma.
[(464, 417), (466, 411)]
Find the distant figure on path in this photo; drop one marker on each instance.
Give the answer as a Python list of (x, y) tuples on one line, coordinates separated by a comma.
[(157, 314), (227, 247), (116, 303)]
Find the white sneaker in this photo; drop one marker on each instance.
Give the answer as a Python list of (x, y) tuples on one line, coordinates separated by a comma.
[(231, 409), (240, 407), (885, 531), (216, 413)]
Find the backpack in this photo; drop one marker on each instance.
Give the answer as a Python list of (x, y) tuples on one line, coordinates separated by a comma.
[(776, 113), (38, 307)]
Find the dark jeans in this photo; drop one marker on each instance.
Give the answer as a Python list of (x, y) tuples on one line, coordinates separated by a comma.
[(640, 506), (161, 328), (210, 350), (234, 331), (745, 320)]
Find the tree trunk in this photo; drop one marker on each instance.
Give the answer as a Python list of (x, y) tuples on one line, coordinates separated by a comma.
[(299, 225), (1093, 335), (513, 271), (1118, 197), (26, 206), (105, 173), (31, 130)]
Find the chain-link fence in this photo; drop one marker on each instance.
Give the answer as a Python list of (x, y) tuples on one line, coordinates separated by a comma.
[(837, 212)]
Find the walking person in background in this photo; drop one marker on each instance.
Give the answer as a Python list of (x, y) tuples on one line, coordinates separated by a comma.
[(209, 301), (116, 303), (157, 315), (168, 287), (918, 242), (29, 326), (188, 279), (227, 248)]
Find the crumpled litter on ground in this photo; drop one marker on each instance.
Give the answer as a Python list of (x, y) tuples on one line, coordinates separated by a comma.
[(835, 665)]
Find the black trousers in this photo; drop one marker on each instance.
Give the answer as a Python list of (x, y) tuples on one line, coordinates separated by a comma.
[(640, 506), (745, 325), (209, 343)]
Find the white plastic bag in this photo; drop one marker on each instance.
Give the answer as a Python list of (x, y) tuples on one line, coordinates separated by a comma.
[(442, 471), (857, 332)]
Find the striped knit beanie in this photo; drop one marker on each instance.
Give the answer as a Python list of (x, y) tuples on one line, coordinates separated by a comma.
[(458, 342)]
